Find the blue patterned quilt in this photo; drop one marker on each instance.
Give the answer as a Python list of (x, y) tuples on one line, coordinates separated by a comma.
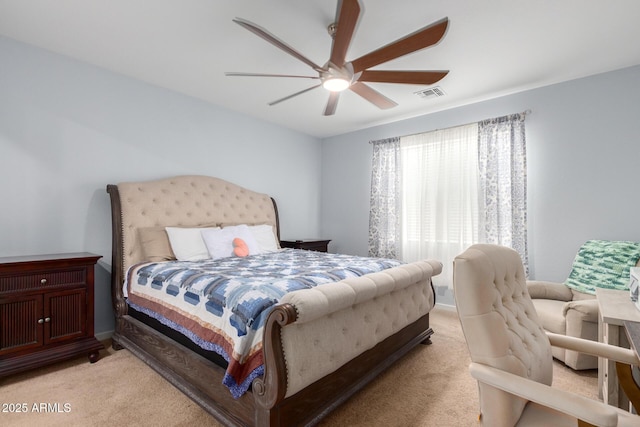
[(222, 304)]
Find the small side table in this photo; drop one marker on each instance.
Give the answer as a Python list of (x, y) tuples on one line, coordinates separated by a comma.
[(308, 244), (615, 307)]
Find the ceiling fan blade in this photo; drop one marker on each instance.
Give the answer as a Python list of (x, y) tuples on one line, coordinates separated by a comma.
[(295, 94), (332, 103), (346, 22), (233, 74), (261, 32), (372, 95), (422, 38), (407, 77)]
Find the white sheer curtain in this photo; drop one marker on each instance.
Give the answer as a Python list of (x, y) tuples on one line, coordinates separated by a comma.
[(441, 204)]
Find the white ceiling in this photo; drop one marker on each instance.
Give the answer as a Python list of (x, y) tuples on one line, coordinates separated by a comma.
[(492, 48)]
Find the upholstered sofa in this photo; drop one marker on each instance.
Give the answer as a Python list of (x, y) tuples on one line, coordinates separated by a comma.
[(571, 308)]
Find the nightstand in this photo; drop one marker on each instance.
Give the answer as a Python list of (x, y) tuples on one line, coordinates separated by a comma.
[(46, 310), (308, 244)]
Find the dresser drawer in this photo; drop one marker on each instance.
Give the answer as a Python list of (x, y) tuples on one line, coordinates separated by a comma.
[(44, 280)]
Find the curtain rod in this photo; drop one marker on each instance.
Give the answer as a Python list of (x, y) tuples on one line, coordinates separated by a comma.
[(523, 113)]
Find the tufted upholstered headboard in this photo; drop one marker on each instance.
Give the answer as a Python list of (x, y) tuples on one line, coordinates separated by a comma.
[(180, 201)]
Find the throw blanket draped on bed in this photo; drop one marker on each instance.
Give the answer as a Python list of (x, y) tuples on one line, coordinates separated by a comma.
[(222, 304)]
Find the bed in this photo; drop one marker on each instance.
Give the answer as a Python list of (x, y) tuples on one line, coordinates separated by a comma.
[(317, 345)]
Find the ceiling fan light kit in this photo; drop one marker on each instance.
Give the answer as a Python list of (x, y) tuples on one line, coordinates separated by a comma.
[(337, 79), (338, 74), (336, 84)]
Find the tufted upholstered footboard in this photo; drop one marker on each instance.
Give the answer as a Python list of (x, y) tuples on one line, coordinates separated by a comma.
[(320, 345), (337, 323), (330, 341)]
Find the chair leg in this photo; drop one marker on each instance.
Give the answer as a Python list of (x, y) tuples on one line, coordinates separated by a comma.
[(628, 384)]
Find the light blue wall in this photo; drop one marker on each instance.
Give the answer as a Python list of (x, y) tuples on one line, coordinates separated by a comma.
[(583, 146), (67, 129)]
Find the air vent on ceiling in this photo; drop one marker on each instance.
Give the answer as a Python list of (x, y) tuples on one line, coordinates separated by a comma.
[(433, 92)]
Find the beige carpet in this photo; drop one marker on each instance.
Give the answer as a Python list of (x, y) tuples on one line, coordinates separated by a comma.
[(428, 387)]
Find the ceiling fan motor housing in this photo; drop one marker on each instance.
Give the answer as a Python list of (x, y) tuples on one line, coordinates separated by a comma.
[(332, 28)]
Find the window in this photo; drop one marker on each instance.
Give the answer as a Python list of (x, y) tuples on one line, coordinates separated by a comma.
[(435, 194)]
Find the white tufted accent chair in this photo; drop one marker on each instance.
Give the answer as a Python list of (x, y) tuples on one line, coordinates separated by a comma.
[(511, 353)]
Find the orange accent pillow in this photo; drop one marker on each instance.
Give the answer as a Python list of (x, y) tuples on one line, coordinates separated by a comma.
[(240, 247)]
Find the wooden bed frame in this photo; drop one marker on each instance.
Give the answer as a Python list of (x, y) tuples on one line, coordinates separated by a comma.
[(267, 402)]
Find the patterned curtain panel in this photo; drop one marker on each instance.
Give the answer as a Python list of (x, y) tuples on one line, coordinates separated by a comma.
[(503, 181), (384, 215)]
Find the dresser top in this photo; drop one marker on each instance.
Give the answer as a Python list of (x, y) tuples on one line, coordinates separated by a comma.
[(45, 258)]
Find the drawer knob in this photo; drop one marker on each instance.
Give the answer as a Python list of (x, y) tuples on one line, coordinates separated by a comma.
[(43, 281), (47, 319), (41, 321)]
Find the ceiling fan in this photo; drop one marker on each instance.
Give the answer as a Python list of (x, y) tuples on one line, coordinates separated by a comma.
[(339, 74)]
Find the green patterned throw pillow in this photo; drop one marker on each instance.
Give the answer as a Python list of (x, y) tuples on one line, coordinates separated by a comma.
[(603, 264)]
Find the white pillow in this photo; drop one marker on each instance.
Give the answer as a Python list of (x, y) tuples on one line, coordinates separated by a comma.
[(187, 243), (219, 242), (264, 237)]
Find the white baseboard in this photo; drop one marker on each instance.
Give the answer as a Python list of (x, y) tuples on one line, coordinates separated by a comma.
[(446, 307), (103, 336)]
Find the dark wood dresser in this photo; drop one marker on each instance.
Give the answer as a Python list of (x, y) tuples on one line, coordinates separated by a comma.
[(46, 310), (308, 244)]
